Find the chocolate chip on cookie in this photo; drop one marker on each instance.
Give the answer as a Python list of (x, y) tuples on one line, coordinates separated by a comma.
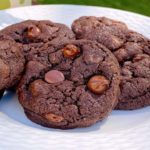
[(98, 84), (54, 76), (32, 32), (70, 51), (54, 118)]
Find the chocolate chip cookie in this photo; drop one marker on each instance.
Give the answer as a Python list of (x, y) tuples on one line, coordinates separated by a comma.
[(31, 33), (132, 51), (11, 62), (79, 88)]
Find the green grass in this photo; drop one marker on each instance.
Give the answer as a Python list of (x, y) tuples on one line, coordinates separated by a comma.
[(139, 6)]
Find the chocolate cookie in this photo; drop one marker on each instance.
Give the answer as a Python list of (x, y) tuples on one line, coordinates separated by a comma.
[(11, 62), (132, 51), (79, 88), (31, 33)]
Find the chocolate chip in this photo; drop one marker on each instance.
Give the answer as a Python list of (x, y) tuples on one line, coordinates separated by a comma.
[(54, 118), (54, 76), (98, 84), (33, 32), (70, 51)]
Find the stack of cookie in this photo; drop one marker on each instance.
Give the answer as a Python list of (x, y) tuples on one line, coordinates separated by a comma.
[(74, 78)]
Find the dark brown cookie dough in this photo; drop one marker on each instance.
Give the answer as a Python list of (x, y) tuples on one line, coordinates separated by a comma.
[(32, 33), (11, 62), (132, 51), (79, 88)]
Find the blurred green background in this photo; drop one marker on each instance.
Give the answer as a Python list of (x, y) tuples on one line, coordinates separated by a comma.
[(139, 6)]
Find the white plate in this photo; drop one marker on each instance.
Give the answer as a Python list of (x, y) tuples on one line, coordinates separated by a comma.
[(125, 130)]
